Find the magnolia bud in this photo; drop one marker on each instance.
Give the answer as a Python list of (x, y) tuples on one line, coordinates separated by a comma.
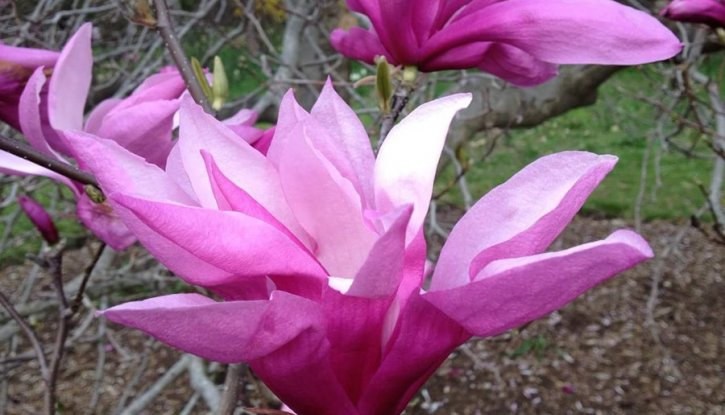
[(383, 84), (201, 78), (40, 218), (220, 85)]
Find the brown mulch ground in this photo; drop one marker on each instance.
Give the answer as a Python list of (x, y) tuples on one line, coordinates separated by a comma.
[(598, 355)]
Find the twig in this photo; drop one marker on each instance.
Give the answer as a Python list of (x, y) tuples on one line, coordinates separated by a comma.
[(141, 402), (230, 394), (101, 347), (26, 152), (84, 281), (166, 29), (29, 332), (55, 264), (190, 404), (135, 379), (202, 384), (400, 100)]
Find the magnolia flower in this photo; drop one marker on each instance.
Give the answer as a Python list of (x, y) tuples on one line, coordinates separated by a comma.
[(142, 123), (521, 41), (317, 250), (711, 12), (16, 66), (40, 218)]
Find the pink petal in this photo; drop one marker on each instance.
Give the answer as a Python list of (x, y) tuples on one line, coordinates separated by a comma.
[(16, 65), (165, 86), (564, 32), (711, 12), (325, 204), (342, 139), (144, 129), (423, 339), (244, 165), (244, 116), (105, 223), (240, 246), (249, 134), (520, 217), (29, 58), (359, 44), (382, 271), (506, 62), (231, 197), (229, 332), (175, 170), (98, 113), (403, 25), (407, 162), (71, 81), (265, 141), (511, 292), (118, 170), (290, 115), (354, 329), (14, 165), (301, 374), (516, 66), (29, 114)]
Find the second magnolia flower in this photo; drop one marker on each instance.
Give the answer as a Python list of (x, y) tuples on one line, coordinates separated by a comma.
[(520, 41)]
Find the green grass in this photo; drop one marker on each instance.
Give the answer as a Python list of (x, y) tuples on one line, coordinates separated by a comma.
[(617, 124)]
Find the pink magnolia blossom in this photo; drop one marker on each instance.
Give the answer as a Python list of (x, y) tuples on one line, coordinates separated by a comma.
[(521, 41), (40, 218), (317, 250), (142, 123), (16, 66), (711, 12)]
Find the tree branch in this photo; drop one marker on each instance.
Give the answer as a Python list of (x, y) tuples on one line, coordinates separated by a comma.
[(26, 152), (165, 28)]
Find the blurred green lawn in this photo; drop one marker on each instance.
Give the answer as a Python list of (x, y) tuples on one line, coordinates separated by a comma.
[(617, 124)]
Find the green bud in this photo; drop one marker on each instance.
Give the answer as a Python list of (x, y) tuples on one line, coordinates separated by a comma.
[(201, 78), (220, 85), (720, 34), (383, 84), (409, 74), (94, 193)]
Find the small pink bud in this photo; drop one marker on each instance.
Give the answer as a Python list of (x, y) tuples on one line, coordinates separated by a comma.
[(40, 219), (568, 389)]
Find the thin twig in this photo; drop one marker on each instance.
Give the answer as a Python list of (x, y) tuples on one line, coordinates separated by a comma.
[(142, 401), (166, 29), (202, 384), (84, 281), (400, 100), (55, 265), (29, 332), (230, 394), (26, 152)]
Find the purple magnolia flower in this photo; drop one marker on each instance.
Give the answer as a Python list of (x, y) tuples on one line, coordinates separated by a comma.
[(40, 218), (142, 123), (16, 66), (521, 41), (317, 250), (711, 12)]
